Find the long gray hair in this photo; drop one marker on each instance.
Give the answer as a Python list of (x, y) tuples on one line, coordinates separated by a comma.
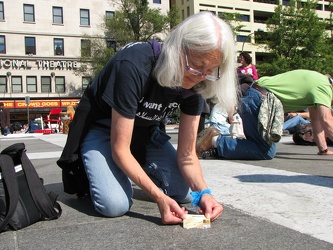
[(202, 32)]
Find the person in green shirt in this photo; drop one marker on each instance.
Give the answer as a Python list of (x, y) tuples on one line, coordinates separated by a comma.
[(302, 89), (297, 90)]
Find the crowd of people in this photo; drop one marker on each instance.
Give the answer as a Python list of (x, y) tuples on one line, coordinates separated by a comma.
[(117, 138), (118, 124), (264, 105)]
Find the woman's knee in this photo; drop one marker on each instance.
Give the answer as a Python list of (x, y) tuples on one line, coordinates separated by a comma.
[(111, 206)]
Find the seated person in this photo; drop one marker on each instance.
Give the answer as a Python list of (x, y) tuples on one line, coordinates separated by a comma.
[(293, 119), (223, 122), (220, 120)]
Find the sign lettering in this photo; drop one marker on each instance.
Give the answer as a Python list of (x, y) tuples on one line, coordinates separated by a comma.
[(39, 103), (41, 64)]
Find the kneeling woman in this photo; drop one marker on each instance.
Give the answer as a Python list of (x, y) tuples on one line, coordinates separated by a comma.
[(124, 105)]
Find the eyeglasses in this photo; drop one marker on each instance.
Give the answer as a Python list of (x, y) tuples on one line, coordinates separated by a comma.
[(199, 73)]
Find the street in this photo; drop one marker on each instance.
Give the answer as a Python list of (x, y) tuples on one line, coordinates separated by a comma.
[(285, 203)]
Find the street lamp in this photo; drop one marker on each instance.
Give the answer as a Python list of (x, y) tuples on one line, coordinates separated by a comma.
[(259, 30)]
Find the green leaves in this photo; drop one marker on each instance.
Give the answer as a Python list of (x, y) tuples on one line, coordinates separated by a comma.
[(297, 38), (134, 21)]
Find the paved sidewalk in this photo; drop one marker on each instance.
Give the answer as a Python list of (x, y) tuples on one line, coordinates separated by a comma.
[(285, 203)]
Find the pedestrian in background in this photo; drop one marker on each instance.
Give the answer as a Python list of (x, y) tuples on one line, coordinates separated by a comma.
[(115, 131), (4, 119), (246, 66)]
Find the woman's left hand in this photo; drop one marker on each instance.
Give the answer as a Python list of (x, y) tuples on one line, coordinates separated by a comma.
[(210, 207)]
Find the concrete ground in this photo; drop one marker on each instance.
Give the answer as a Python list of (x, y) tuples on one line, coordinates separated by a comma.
[(285, 203)]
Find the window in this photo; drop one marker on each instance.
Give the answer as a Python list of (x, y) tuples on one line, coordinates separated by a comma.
[(2, 45), (57, 15), (30, 46), (157, 1), (244, 18), (85, 47), (46, 84), (60, 84), (241, 38), (2, 13), (85, 82), (16, 84), (31, 84), (286, 2), (29, 13), (58, 46), (84, 17), (3, 84), (111, 44), (109, 14)]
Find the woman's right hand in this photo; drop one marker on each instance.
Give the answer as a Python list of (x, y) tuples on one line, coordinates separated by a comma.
[(171, 212)]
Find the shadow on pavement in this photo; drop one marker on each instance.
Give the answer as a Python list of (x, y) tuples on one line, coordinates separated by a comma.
[(271, 178)]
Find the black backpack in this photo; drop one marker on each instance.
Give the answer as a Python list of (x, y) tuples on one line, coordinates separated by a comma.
[(23, 198)]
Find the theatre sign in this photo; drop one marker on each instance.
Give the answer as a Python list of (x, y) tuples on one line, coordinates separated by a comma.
[(40, 64)]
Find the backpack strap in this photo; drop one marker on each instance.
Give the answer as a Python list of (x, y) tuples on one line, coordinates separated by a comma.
[(9, 180), (157, 47), (41, 199)]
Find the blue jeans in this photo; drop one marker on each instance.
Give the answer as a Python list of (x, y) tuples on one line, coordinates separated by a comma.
[(292, 123), (254, 147), (111, 190), (222, 128)]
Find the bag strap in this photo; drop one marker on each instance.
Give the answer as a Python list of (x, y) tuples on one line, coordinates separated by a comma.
[(156, 46), (9, 180), (42, 200), (40, 197)]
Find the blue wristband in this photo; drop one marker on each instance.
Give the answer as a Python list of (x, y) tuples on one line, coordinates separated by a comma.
[(196, 197)]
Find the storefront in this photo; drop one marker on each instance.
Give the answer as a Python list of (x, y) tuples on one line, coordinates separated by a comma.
[(20, 110)]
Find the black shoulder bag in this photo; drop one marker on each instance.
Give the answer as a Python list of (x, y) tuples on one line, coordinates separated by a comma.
[(23, 198)]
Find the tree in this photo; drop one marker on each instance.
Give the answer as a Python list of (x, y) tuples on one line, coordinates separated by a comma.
[(133, 21), (297, 38), (94, 56), (233, 19)]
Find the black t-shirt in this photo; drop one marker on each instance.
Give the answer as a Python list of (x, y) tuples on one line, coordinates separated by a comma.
[(126, 85)]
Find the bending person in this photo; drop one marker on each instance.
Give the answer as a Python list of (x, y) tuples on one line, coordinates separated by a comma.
[(296, 90), (123, 106)]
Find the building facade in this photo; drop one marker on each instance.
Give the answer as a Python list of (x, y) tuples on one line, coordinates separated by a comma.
[(253, 14), (41, 42)]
